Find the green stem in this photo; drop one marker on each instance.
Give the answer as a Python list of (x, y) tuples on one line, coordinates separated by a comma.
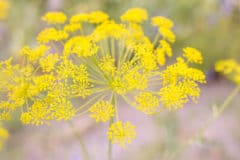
[(156, 39), (201, 131), (110, 123), (109, 142), (81, 143)]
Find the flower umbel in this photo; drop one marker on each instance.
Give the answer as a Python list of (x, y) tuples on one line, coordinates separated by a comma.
[(98, 66), (121, 133)]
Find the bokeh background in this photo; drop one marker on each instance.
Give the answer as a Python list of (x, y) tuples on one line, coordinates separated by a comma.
[(212, 26)]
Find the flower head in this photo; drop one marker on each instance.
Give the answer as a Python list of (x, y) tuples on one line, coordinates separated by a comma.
[(135, 15), (121, 133), (192, 55), (54, 17), (102, 111)]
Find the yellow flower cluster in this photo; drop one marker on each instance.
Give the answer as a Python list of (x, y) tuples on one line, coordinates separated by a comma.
[(98, 66), (135, 15), (192, 55), (54, 17), (102, 111), (121, 133), (164, 27), (229, 68)]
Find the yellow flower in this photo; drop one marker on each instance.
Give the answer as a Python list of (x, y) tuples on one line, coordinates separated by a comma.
[(102, 111), (167, 34), (43, 111), (164, 48), (118, 86), (225, 66), (51, 34), (160, 56), (54, 17), (34, 54), (121, 133), (146, 102), (179, 83), (72, 27), (135, 80), (192, 55), (107, 65), (92, 17), (38, 114), (173, 96), (43, 82), (47, 64), (82, 46), (147, 57), (78, 18), (230, 68), (162, 22), (81, 85), (135, 15), (108, 29), (97, 17)]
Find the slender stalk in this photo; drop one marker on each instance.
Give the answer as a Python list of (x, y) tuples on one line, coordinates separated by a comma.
[(156, 39), (110, 123), (81, 143), (201, 130), (94, 98), (113, 48)]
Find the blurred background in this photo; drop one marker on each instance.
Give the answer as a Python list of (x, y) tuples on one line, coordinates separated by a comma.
[(212, 26)]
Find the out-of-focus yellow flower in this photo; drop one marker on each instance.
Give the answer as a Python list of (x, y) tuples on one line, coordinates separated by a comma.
[(97, 17), (108, 29), (4, 6), (192, 55), (167, 34), (49, 62), (135, 15), (54, 18), (51, 34), (81, 46), (121, 133), (163, 22), (226, 66), (72, 27), (162, 50), (92, 17), (229, 68), (34, 54)]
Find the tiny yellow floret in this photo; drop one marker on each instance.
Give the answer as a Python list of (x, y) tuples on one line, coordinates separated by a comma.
[(102, 111), (135, 15), (192, 55), (54, 17), (121, 133)]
